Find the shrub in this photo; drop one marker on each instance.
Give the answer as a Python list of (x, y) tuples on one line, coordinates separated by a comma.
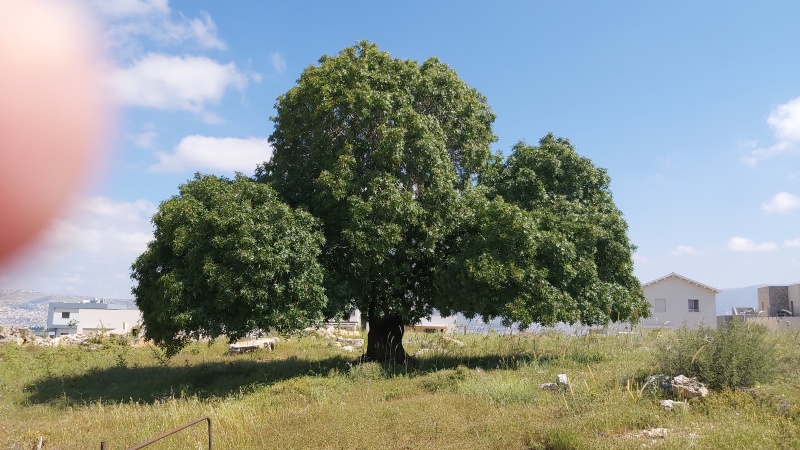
[(556, 439), (367, 371), (446, 380), (737, 355)]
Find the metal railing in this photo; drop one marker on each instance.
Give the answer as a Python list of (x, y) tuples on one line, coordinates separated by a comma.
[(169, 433)]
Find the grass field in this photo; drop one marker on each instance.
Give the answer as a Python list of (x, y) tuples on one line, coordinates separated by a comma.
[(308, 394)]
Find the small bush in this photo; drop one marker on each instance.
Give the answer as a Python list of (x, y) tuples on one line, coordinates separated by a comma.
[(367, 371), (737, 355), (587, 356), (556, 439), (446, 380)]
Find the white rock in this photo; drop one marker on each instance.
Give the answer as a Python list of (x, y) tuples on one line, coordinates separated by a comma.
[(351, 342), (656, 432), (252, 345), (686, 387), (453, 341), (562, 380), (668, 405)]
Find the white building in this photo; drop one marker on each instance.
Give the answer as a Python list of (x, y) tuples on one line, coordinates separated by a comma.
[(91, 316), (676, 301), (437, 323), (351, 323)]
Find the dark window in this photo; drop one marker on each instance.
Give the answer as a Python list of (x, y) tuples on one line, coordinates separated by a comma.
[(694, 305), (65, 315)]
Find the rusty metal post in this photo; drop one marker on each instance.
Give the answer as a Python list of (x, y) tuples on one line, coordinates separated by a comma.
[(175, 430)]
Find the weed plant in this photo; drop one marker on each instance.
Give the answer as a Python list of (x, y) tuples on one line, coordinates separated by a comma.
[(735, 356)]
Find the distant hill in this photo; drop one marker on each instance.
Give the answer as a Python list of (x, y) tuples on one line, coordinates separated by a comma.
[(730, 298), (29, 309)]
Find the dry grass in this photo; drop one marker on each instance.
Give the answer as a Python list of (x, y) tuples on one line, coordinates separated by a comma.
[(308, 394)]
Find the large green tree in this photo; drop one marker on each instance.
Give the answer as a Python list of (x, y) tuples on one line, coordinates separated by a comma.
[(228, 258), (379, 149), (393, 157)]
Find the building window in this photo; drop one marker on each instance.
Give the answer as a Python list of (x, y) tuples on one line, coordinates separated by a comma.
[(660, 305), (694, 305), (65, 315)]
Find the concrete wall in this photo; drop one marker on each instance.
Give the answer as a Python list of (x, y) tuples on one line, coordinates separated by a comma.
[(794, 299), (56, 321), (110, 320), (676, 293), (777, 323), (772, 299), (87, 317)]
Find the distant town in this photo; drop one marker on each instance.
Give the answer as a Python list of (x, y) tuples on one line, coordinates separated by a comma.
[(28, 309)]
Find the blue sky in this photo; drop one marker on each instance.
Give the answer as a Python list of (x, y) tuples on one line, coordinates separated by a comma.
[(692, 107)]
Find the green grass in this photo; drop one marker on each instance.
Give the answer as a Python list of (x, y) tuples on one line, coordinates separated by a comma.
[(309, 394)]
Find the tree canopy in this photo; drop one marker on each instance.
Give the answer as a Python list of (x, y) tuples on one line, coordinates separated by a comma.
[(395, 205), (543, 242), (378, 149), (228, 258)]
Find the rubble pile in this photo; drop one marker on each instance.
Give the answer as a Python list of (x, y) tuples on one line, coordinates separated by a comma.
[(347, 340), (24, 336), (252, 345)]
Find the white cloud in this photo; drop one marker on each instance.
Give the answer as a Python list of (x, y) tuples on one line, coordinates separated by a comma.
[(793, 243), (782, 203), (639, 259), (278, 63), (785, 123), (203, 30), (740, 244), (107, 208), (96, 242), (100, 225), (144, 139), (684, 250), (127, 8), (211, 118), (130, 21), (142, 35), (211, 153), (760, 154), (97, 239), (175, 82)]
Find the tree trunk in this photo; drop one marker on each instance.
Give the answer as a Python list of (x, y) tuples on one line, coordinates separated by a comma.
[(385, 339)]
